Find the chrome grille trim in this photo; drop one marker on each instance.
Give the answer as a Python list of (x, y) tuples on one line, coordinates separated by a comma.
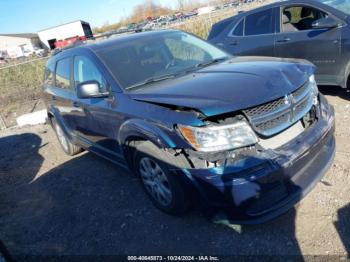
[(273, 117)]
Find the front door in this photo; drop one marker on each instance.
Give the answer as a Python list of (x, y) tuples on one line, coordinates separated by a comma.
[(297, 39), (95, 125)]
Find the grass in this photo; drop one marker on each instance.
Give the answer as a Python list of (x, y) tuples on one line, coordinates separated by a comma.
[(20, 86), (21, 82), (201, 25)]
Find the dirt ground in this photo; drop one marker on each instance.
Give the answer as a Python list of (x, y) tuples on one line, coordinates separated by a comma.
[(52, 204)]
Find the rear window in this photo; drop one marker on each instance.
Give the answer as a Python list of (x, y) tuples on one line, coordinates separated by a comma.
[(218, 28), (259, 23), (239, 29), (63, 73)]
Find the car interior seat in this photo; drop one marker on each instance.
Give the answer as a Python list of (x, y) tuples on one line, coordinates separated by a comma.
[(286, 21), (307, 18)]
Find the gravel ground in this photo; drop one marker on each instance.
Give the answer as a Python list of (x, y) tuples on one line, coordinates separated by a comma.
[(52, 204)]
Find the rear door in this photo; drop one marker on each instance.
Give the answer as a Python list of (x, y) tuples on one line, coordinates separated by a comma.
[(62, 95), (253, 35), (297, 39)]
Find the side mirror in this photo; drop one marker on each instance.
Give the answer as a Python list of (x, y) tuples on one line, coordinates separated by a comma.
[(90, 89), (324, 23)]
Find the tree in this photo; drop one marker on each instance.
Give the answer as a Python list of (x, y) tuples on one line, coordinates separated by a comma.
[(148, 9)]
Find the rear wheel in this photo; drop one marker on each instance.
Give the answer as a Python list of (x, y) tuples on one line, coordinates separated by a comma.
[(165, 188), (67, 146)]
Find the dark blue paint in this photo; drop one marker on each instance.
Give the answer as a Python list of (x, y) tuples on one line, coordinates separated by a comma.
[(285, 178), (229, 86), (103, 125)]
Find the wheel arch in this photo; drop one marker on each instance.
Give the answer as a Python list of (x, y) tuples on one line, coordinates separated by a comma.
[(135, 131), (140, 129), (53, 113)]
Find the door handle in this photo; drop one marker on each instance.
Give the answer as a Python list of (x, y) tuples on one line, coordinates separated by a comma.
[(234, 43), (284, 40), (76, 104)]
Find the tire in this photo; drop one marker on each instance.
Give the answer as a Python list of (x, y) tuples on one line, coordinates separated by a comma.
[(166, 189), (69, 148)]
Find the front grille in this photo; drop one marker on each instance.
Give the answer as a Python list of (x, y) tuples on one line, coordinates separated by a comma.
[(267, 125), (273, 117), (266, 108)]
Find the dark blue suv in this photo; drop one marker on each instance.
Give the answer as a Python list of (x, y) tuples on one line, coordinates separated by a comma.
[(247, 137)]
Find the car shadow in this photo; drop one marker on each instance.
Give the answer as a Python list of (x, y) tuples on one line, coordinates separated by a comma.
[(343, 227), (88, 206), (19, 163), (335, 91)]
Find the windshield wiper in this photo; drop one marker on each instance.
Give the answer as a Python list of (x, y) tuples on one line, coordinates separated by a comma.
[(210, 62), (151, 80), (204, 64)]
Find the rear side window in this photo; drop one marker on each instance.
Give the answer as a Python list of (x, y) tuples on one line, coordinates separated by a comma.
[(63, 73), (259, 23), (239, 29), (219, 27)]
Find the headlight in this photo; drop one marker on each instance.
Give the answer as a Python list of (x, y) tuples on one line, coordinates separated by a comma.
[(314, 89), (217, 138)]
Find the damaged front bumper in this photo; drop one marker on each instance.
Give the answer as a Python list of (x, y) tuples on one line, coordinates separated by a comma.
[(261, 186)]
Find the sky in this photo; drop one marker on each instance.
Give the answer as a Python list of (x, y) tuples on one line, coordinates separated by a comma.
[(30, 16)]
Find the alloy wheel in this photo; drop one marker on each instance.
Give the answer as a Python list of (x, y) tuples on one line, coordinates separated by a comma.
[(155, 181)]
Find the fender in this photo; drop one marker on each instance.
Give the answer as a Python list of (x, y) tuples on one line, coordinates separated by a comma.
[(145, 130)]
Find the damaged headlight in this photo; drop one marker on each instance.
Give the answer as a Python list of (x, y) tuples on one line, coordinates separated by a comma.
[(314, 89), (217, 138)]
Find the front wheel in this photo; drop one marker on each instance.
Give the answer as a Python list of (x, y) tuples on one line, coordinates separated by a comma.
[(166, 190)]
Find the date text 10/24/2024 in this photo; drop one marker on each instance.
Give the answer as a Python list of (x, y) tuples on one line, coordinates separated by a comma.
[(173, 258)]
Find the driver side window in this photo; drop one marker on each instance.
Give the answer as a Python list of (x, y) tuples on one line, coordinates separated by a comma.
[(300, 18), (86, 70)]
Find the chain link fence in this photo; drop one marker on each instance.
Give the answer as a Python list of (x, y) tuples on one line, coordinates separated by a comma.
[(20, 88)]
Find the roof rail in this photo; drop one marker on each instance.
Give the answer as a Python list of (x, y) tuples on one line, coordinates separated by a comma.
[(70, 46)]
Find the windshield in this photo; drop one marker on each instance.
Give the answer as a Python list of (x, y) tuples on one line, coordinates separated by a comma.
[(140, 61), (341, 5)]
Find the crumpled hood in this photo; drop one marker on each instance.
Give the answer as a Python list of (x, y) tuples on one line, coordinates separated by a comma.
[(236, 84)]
